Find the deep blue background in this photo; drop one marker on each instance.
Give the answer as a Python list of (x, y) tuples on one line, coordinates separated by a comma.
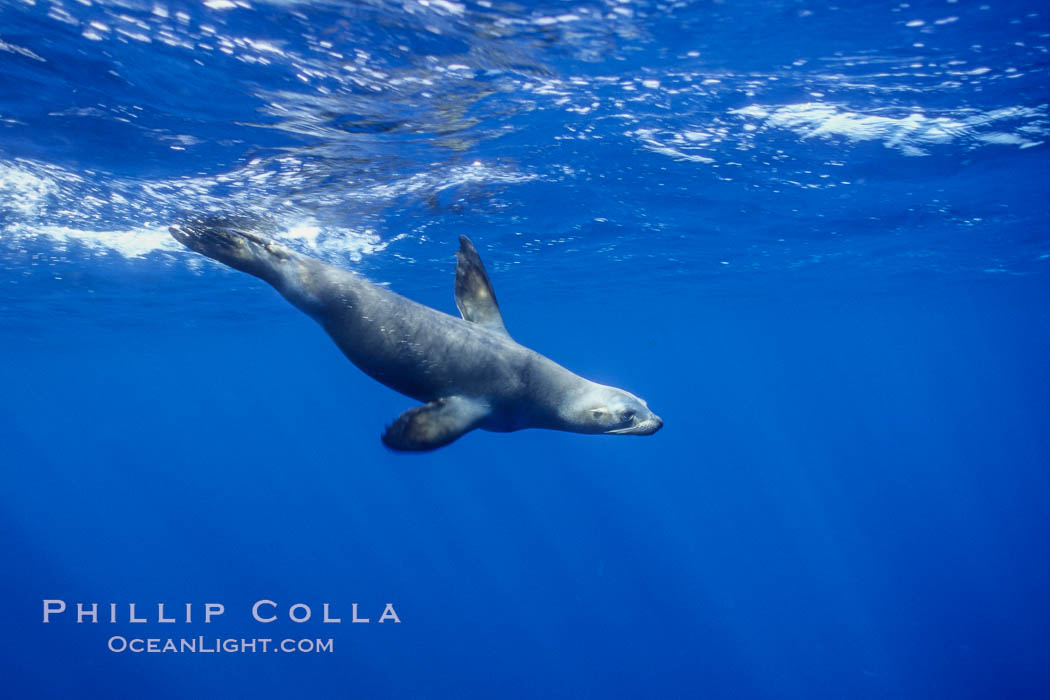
[(848, 499)]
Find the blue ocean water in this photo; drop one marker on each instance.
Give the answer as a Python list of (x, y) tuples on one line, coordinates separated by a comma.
[(813, 236)]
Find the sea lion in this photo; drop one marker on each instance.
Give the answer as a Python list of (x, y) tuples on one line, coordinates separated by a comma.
[(468, 372)]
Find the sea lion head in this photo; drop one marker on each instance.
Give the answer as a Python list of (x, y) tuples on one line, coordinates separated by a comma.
[(611, 411)]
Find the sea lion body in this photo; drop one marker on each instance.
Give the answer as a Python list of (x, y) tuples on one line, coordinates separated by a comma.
[(427, 354), (468, 371)]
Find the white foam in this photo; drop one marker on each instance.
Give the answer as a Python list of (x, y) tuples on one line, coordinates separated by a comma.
[(908, 134), (455, 176), (23, 192), (130, 244), (333, 243), (14, 48), (61, 211), (559, 19), (678, 146), (454, 8)]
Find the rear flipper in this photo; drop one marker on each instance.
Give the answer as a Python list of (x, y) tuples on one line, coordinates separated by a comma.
[(234, 242)]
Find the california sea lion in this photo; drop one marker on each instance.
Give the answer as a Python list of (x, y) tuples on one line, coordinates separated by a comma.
[(469, 373)]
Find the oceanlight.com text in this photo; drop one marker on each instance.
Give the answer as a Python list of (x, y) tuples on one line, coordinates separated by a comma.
[(218, 645)]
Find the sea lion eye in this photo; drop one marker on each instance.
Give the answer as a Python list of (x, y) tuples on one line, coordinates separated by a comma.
[(626, 416)]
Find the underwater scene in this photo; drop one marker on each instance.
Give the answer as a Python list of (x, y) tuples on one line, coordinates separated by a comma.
[(536, 349)]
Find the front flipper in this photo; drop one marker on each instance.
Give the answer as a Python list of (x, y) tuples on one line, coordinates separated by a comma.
[(474, 295), (435, 424)]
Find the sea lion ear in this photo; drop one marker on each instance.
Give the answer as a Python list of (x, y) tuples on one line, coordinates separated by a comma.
[(435, 424), (474, 295)]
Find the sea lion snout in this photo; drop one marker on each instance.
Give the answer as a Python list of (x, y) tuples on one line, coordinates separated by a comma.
[(651, 426), (646, 426)]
